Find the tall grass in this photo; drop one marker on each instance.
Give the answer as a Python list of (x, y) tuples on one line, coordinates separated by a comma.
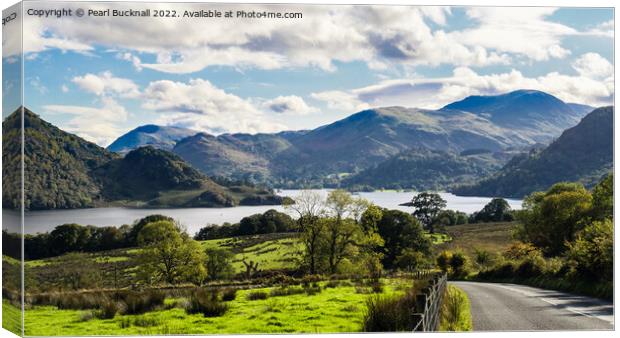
[(207, 303), (390, 313), (455, 311)]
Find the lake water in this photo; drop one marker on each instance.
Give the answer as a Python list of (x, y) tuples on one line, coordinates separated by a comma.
[(195, 218)]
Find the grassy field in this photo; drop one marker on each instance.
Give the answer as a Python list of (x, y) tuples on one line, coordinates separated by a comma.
[(11, 317), (493, 237), (338, 309)]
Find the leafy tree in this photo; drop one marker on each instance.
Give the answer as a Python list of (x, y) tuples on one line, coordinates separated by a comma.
[(410, 259), (603, 198), (400, 231), (497, 210), (218, 263), (593, 251), (427, 206), (132, 237), (451, 217), (169, 255), (551, 219), (68, 237)]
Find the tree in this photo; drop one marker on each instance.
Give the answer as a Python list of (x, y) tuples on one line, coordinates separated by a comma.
[(68, 237), (400, 231), (427, 207), (551, 219), (132, 236), (497, 210), (218, 263), (309, 207), (593, 251), (603, 198), (169, 255)]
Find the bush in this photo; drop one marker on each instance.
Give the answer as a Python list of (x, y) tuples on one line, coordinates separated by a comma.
[(257, 295), (206, 303), (138, 303), (457, 264), (532, 267), (288, 291), (229, 295), (312, 290), (107, 310)]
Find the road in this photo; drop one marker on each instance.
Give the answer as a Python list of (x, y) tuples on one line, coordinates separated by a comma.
[(501, 307)]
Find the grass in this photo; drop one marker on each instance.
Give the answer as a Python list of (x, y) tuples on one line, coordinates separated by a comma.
[(455, 311), (11, 317), (492, 237), (333, 310), (270, 251)]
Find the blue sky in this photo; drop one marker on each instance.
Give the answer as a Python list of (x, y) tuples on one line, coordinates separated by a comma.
[(101, 77)]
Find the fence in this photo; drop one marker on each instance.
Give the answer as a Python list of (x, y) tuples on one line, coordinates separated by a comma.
[(428, 302)]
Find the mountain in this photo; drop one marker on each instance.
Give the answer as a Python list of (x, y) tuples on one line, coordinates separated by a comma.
[(160, 137), (64, 171), (537, 115), (424, 169), (57, 165), (372, 136), (582, 153), (234, 156)]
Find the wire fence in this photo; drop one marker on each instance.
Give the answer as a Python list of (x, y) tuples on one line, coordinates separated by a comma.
[(428, 302)]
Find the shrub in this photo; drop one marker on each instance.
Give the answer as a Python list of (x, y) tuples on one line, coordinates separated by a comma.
[(312, 290), (229, 295), (288, 291), (86, 316), (76, 301), (528, 268), (107, 310), (207, 303), (443, 260), (257, 295), (377, 288), (457, 264), (332, 284), (138, 303)]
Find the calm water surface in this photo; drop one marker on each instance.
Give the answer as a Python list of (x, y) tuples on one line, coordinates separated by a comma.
[(195, 218)]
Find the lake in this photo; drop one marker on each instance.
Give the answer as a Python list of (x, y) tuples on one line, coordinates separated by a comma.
[(195, 218)]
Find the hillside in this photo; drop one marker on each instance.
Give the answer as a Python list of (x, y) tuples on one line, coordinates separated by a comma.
[(57, 165), (583, 153), (372, 136), (423, 169), (235, 156), (536, 114), (159, 137), (64, 171)]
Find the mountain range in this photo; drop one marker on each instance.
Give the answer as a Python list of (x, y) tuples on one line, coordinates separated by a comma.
[(582, 153), (161, 137), (64, 171), (360, 149)]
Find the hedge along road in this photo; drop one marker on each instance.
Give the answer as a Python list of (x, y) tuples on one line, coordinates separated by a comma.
[(501, 307)]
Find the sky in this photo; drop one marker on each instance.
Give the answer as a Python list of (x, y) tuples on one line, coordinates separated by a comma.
[(100, 77)]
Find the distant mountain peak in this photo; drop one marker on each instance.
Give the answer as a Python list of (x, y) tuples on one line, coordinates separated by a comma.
[(160, 137)]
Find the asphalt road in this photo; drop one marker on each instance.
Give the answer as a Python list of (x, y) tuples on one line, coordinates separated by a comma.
[(501, 307)]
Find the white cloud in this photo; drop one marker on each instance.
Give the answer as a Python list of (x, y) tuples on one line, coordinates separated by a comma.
[(434, 93), (97, 125), (64, 88), (380, 36), (106, 84), (592, 65), (291, 105), (200, 105)]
